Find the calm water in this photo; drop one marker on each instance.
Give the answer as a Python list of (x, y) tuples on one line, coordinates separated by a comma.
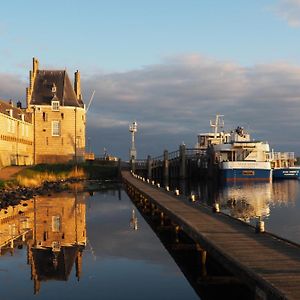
[(277, 203), (83, 247)]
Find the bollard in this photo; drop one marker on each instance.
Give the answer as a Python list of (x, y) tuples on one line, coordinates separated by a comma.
[(153, 182), (260, 226), (167, 188), (177, 192), (193, 197), (216, 207), (158, 185), (143, 179), (148, 180)]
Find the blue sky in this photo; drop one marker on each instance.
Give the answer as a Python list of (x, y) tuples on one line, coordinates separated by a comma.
[(122, 35), (171, 65)]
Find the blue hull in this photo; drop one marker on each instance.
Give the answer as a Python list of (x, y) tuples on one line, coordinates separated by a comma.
[(246, 174), (286, 173)]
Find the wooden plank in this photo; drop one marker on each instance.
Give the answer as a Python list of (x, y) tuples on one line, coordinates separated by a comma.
[(266, 263)]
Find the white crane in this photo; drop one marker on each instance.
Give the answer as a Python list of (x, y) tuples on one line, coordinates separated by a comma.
[(90, 102)]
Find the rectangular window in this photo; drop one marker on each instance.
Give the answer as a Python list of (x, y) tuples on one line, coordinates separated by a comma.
[(23, 129), (13, 126), (26, 130), (56, 224), (55, 128), (8, 125), (55, 105)]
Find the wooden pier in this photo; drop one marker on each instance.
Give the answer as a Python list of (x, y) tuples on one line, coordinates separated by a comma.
[(270, 266)]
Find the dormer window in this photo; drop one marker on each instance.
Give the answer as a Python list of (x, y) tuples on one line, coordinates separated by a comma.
[(55, 105), (53, 88)]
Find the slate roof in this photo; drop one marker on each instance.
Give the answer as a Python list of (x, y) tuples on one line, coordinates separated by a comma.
[(5, 106), (43, 260), (42, 89)]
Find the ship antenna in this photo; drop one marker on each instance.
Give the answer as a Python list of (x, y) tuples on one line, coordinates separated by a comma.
[(219, 122)]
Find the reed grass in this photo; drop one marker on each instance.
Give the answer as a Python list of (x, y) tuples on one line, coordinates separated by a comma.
[(37, 175)]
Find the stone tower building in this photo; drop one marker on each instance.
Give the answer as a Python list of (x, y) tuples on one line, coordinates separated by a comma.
[(58, 115)]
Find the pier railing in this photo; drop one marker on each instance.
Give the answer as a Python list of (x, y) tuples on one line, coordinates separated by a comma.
[(175, 163)]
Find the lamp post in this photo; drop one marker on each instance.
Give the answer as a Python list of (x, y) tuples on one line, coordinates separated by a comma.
[(133, 130)]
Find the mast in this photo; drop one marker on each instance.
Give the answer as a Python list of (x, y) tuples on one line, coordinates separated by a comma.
[(219, 122)]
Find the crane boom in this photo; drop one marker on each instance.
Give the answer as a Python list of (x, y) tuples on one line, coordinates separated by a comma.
[(91, 100)]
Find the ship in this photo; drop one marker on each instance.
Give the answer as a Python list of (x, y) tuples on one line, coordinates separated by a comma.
[(234, 155), (283, 165)]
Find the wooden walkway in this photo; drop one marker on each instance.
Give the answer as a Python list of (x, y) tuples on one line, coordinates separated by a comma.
[(267, 264)]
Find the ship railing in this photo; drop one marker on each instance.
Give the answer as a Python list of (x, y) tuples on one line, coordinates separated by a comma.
[(283, 155)]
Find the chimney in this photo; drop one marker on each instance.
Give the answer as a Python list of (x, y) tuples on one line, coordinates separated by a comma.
[(35, 66), (77, 87), (32, 74)]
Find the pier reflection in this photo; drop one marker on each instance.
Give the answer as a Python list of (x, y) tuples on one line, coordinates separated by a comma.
[(54, 230)]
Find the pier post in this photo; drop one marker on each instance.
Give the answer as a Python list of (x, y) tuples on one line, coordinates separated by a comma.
[(166, 168), (182, 162), (132, 164), (119, 168), (149, 167), (202, 257)]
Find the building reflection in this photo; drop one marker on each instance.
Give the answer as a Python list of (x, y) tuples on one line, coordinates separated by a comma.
[(16, 223), (59, 236), (54, 230)]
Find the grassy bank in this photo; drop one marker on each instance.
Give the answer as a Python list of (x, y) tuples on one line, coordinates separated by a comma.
[(35, 176)]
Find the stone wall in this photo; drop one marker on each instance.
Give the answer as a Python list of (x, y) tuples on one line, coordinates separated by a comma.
[(59, 147)]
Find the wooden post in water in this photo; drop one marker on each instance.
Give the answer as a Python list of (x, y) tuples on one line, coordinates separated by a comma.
[(132, 165), (149, 167), (182, 162), (166, 168), (119, 168)]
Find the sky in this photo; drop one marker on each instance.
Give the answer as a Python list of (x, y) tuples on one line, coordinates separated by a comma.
[(169, 65)]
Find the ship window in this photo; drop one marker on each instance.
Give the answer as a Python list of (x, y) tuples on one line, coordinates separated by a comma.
[(55, 105), (55, 128), (249, 173)]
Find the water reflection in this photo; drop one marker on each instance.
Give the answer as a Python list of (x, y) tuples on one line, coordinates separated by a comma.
[(54, 230), (91, 235), (59, 235), (250, 201)]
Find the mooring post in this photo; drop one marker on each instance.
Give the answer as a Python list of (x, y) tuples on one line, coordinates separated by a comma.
[(149, 167), (119, 168), (132, 165), (182, 162), (166, 168), (203, 255)]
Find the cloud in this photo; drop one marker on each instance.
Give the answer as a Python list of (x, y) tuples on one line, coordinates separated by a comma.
[(11, 87), (289, 10), (174, 101)]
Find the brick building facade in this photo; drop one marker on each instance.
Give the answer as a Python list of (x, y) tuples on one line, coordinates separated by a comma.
[(52, 127), (16, 135), (58, 115)]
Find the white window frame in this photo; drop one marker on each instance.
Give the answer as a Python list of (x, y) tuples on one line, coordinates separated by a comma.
[(56, 224), (55, 105), (56, 128)]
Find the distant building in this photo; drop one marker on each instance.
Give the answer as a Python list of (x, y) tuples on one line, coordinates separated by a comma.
[(58, 116), (16, 135)]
